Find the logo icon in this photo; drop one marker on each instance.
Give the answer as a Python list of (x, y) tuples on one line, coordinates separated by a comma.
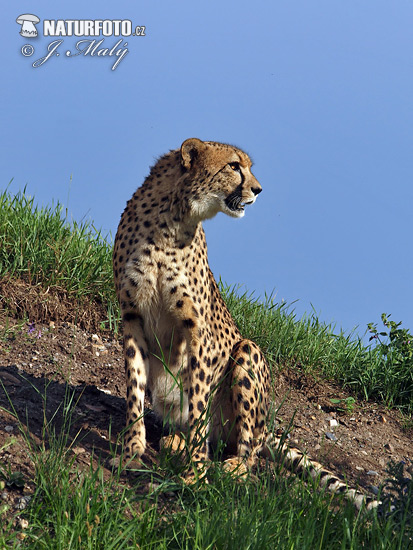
[(28, 22)]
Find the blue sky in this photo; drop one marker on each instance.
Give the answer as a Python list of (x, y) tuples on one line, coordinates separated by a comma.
[(319, 93)]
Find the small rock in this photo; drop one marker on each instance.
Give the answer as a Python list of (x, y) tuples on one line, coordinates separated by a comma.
[(374, 489), (97, 339), (114, 462), (108, 392), (22, 502), (331, 436), (372, 473), (95, 408), (389, 447), (9, 379), (9, 429), (78, 450), (359, 468), (4, 495), (382, 419), (23, 523), (97, 349), (333, 423)]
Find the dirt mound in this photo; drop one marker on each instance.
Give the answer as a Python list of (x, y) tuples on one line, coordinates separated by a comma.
[(50, 358), (23, 300)]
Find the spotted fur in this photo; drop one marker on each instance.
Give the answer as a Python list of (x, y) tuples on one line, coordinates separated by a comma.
[(173, 312)]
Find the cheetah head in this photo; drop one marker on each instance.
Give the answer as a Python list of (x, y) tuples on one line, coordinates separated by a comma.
[(220, 178)]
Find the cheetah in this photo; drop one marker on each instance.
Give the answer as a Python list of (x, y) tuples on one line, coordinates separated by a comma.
[(181, 345)]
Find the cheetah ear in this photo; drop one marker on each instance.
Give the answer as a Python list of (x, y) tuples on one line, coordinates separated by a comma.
[(190, 150)]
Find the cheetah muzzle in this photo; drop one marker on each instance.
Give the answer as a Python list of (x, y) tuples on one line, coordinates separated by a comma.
[(182, 347)]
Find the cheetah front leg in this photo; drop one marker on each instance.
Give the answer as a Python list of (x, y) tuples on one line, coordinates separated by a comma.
[(137, 368), (197, 381)]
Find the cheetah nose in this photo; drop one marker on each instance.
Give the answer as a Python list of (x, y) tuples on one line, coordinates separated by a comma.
[(256, 190)]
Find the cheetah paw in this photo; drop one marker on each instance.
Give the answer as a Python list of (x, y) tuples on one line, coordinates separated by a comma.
[(174, 443)]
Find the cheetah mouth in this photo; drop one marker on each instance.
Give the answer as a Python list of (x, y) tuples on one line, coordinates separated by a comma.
[(236, 204)]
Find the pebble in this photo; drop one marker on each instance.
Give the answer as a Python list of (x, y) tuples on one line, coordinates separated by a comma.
[(97, 349), (9, 429), (389, 447), (374, 489), (333, 423), (9, 379), (372, 473), (78, 450), (22, 502), (114, 462), (23, 523), (108, 392), (331, 436)]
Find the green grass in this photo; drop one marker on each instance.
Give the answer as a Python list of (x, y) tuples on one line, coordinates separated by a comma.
[(317, 349), (40, 245), (73, 508)]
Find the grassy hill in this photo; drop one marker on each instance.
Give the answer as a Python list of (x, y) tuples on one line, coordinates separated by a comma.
[(53, 270), (39, 245)]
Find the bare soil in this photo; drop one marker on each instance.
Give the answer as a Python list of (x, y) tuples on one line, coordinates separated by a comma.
[(47, 357)]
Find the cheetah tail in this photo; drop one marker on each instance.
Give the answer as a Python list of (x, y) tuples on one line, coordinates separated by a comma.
[(297, 462)]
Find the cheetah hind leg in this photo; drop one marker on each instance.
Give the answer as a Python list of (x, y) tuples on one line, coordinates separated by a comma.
[(240, 407)]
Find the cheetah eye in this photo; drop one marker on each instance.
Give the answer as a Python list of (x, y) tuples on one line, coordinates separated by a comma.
[(234, 166)]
